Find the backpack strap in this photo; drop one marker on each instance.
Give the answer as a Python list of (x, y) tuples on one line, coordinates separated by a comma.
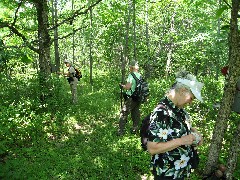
[(136, 79)]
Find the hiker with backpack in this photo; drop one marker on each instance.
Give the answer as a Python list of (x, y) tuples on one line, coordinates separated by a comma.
[(72, 79), (130, 105), (170, 135)]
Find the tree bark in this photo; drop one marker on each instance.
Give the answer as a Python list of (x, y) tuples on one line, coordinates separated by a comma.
[(170, 45), (55, 21), (73, 36), (233, 154), (147, 72), (235, 39), (90, 49), (229, 91), (134, 30), (126, 49), (44, 44)]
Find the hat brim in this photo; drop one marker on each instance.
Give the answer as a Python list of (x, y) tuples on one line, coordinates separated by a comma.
[(194, 86), (197, 94), (67, 62)]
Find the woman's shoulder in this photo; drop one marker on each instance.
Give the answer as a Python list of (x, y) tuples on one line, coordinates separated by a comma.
[(137, 74), (71, 69), (162, 109)]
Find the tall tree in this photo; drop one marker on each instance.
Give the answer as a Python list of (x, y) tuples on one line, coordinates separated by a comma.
[(234, 42), (54, 22), (91, 47), (43, 43), (44, 40), (73, 36), (127, 24), (134, 31), (125, 47), (147, 74), (229, 92)]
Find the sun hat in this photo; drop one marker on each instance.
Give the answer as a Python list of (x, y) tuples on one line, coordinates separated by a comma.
[(67, 61), (134, 64), (194, 86)]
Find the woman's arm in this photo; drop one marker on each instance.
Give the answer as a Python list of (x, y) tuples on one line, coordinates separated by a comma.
[(162, 147), (64, 74), (127, 86)]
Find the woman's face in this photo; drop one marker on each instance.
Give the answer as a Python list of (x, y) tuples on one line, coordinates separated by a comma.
[(67, 64), (186, 98)]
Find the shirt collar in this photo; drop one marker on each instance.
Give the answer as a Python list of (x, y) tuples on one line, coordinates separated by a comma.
[(167, 102)]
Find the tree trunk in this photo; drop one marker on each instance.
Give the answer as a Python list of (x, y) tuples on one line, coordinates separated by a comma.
[(73, 37), (134, 30), (170, 46), (55, 21), (44, 43), (90, 49), (233, 154), (126, 49), (235, 39), (229, 91), (123, 65), (147, 74)]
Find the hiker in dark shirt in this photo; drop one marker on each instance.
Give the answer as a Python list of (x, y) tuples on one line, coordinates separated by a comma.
[(130, 106), (171, 135)]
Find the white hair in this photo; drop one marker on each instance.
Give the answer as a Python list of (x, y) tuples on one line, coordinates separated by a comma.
[(184, 75)]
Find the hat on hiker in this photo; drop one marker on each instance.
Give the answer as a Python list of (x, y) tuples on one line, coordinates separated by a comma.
[(67, 61), (134, 64), (194, 86)]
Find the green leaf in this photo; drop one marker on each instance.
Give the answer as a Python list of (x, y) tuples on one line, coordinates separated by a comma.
[(220, 11), (225, 27), (26, 59)]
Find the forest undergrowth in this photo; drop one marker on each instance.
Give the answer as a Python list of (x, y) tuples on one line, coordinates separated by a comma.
[(54, 139)]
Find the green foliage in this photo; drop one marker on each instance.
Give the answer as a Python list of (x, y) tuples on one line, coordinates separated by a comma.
[(59, 140), (221, 10), (46, 137), (26, 59)]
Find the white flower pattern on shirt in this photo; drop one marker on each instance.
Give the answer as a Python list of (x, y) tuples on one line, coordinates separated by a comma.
[(166, 123), (182, 162)]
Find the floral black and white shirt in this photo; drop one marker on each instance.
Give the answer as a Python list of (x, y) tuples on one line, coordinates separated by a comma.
[(167, 122)]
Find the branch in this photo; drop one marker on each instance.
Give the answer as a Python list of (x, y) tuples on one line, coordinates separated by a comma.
[(74, 31), (13, 47), (15, 18), (227, 4), (76, 14), (15, 31)]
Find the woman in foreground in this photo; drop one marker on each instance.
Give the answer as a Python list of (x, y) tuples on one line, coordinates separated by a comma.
[(171, 136)]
